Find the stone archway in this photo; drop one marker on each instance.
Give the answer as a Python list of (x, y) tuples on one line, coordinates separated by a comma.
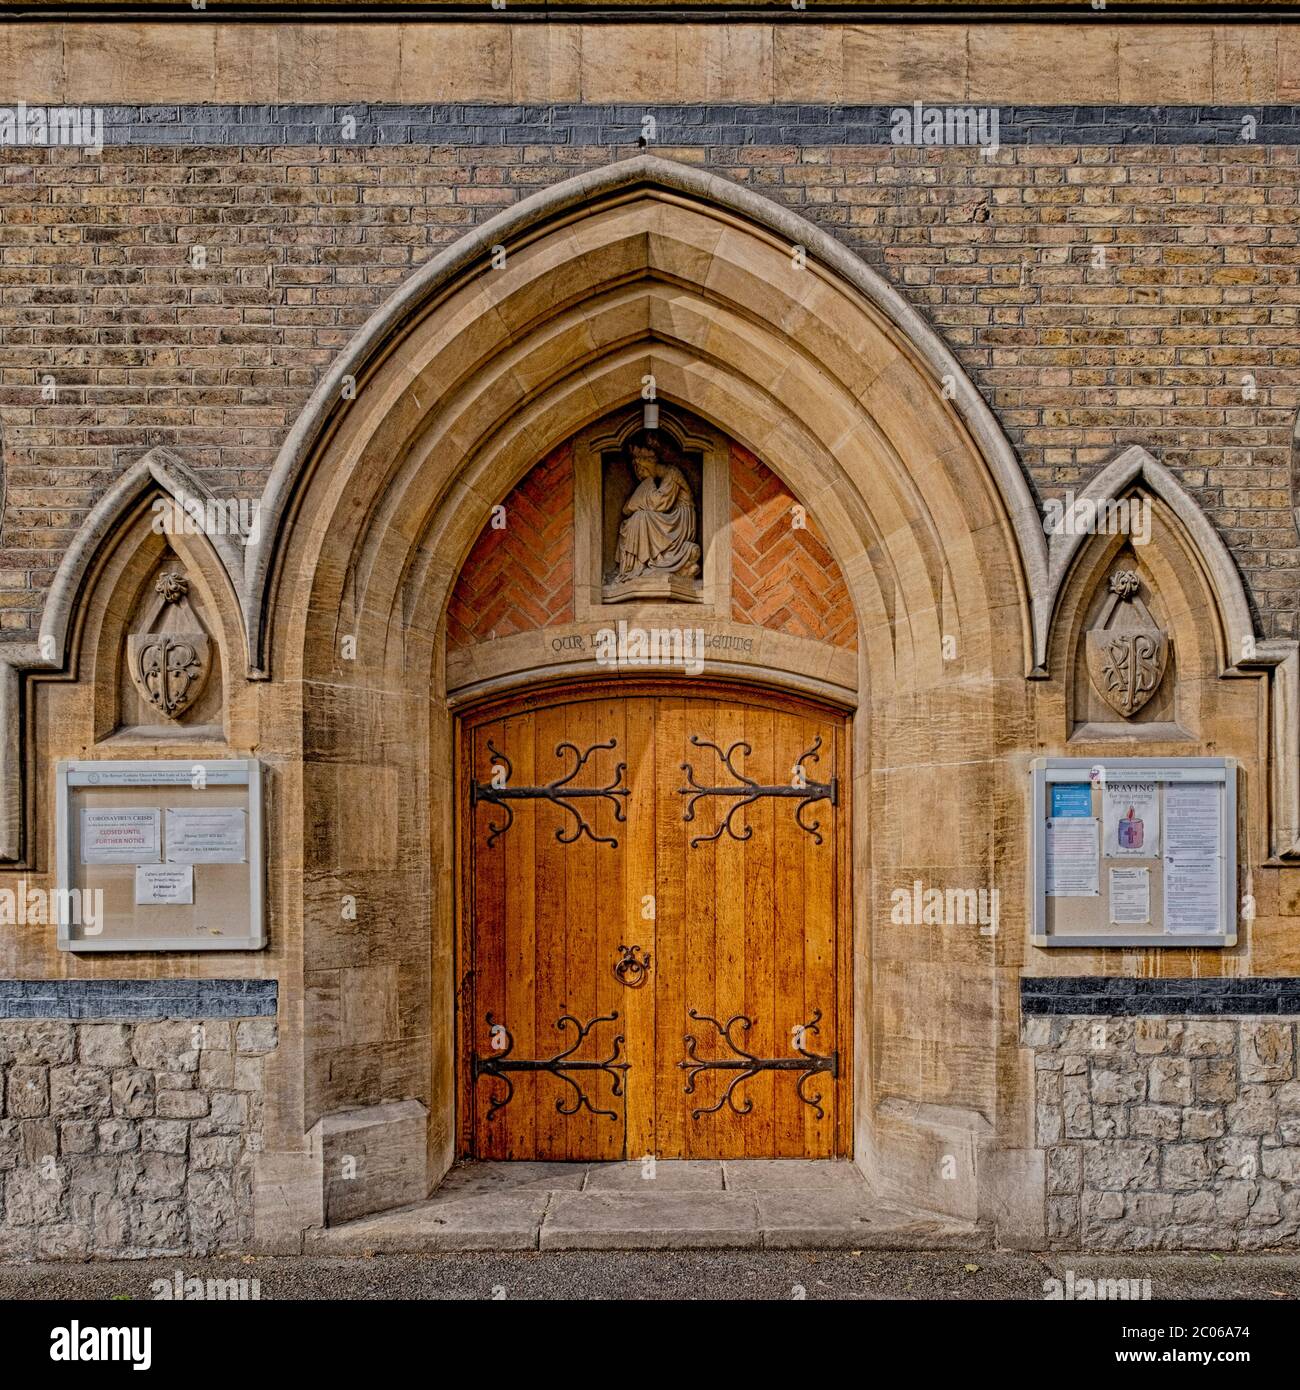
[(765, 327)]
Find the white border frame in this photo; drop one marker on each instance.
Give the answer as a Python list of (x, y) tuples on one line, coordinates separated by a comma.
[(166, 772), (1047, 771)]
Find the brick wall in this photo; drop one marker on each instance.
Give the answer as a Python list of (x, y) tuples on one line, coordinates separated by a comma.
[(101, 301), (783, 575), (519, 575)]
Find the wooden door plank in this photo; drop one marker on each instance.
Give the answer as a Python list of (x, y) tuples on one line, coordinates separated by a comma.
[(672, 905), (492, 1138), (464, 1023), (702, 1134), (517, 849), (609, 869), (790, 906), (759, 966), (819, 942), (729, 923), (633, 922), (552, 898), (580, 999), (844, 941)]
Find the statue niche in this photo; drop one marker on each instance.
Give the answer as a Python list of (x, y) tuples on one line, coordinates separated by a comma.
[(652, 542)]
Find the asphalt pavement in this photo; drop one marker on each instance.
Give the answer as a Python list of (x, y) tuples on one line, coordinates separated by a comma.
[(690, 1275)]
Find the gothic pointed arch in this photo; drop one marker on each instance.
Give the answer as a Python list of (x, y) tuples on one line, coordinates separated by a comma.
[(697, 275), (160, 474), (122, 545), (1135, 474)]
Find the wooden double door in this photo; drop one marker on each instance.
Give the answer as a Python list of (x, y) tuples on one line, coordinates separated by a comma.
[(654, 958)]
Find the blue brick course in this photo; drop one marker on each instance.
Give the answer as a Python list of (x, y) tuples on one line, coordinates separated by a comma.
[(134, 999), (701, 125), (1122, 996)]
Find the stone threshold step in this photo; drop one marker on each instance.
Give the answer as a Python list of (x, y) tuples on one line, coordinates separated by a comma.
[(551, 1220)]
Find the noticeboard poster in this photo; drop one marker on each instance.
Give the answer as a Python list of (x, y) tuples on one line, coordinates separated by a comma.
[(1134, 852), (160, 854)]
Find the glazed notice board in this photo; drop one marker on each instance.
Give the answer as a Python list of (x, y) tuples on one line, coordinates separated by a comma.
[(160, 855), (1134, 852)]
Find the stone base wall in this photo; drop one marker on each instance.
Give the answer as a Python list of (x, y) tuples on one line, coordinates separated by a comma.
[(129, 1139), (1168, 1133)]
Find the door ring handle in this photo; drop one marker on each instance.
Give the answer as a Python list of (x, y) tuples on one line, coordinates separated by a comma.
[(632, 968)]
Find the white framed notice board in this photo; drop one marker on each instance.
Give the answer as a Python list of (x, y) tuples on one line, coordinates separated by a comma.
[(160, 855), (1134, 852)]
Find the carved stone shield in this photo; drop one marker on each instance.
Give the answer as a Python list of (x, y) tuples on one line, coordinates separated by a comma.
[(168, 669), (1127, 666)]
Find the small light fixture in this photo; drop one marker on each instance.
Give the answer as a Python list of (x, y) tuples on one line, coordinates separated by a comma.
[(652, 415)]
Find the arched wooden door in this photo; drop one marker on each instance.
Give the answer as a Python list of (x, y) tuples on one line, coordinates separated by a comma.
[(654, 942)]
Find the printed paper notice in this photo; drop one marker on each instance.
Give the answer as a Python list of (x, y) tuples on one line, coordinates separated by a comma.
[(1072, 859), (1071, 799), (1130, 897), (1192, 816), (157, 884), (1131, 820), (206, 835), (1192, 897), (120, 837)]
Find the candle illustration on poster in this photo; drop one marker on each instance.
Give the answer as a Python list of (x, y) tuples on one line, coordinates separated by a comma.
[(1131, 820)]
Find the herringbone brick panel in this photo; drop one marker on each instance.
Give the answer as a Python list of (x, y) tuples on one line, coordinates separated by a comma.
[(520, 577), (782, 576)]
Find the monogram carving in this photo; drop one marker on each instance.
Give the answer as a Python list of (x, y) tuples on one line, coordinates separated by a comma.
[(1127, 652), (169, 671), (169, 663)]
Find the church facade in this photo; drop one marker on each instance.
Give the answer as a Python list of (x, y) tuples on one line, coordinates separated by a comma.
[(712, 586)]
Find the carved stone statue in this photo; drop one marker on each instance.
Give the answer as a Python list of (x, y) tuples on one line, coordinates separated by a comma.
[(658, 552)]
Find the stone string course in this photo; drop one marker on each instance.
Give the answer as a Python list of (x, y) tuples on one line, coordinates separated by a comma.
[(1168, 1133), (125, 1140)]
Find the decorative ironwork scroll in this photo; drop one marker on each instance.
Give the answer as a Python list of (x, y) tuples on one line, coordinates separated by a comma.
[(559, 793), (501, 1062), (746, 1065), (748, 791), (632, 968)]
